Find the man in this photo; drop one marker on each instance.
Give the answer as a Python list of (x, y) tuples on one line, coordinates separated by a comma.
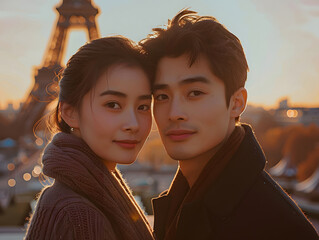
[(220, 190)]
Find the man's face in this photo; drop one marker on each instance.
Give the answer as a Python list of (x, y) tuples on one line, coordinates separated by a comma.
[(190, 107)]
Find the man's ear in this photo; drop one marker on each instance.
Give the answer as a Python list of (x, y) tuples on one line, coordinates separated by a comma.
[(70, 115), (239, 100)]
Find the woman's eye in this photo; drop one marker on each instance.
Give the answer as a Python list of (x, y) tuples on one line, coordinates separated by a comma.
[(144, 107), (113, 105), (195, 93), (161, 97)]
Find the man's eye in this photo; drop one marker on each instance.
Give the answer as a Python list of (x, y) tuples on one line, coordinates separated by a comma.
[(113, 105), (144, 107), (161, 97), (195, 93)]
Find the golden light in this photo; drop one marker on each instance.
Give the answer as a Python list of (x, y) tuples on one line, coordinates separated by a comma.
[(39, 141), (27, 177), (11, 182), (37, 169), (292, 113), (11, 167), (24, 158)]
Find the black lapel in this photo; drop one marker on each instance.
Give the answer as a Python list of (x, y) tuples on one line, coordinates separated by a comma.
[(238, 176), (160, 209), (161, 205), (195, 221), (223, 196)]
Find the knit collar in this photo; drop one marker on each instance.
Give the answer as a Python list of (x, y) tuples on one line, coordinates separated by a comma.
[(69, 160)]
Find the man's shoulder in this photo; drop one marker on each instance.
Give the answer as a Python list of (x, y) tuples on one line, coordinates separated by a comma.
[(269, 189), (269, 203), (265, 211)]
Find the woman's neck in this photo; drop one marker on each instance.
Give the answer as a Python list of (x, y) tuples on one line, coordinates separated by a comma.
[(110, 165)]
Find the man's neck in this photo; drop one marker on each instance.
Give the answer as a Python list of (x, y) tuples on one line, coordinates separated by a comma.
[(192, 168)]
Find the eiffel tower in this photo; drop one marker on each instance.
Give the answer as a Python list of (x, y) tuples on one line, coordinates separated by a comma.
[(71, 14)]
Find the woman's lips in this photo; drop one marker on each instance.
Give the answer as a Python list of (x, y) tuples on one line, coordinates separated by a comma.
[(127, 143), (180, 134)]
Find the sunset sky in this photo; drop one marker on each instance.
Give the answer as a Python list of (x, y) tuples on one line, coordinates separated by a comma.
[(280, 39)]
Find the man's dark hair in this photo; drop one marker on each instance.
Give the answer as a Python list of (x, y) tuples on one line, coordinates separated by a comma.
[(188, 33)]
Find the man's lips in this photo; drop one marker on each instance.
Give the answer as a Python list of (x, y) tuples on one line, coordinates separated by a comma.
[(127, 143), (179, 134)]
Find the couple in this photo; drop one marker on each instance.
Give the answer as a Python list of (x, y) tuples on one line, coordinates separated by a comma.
[(195, 69)]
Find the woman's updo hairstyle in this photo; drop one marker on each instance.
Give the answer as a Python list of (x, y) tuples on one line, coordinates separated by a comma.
[(86, 66)]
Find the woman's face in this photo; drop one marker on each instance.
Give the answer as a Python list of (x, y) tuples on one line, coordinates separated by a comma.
[(115, 116)]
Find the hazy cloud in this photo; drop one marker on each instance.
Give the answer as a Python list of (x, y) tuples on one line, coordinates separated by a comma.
[(299, 61)]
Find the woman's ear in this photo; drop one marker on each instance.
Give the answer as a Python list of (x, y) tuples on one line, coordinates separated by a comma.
[(239, 100), (70, 115)]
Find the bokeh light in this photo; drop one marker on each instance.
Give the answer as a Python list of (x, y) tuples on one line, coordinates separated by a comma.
[(11, 166), (292, 113), (36, 171), (12, 182), (26, 177), (39, 141)]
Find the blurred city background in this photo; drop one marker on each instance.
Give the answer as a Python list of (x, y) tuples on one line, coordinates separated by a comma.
[(281, 44)]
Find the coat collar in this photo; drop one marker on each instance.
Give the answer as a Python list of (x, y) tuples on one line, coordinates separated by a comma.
[(238, 176), (222, 196), (163, 202)]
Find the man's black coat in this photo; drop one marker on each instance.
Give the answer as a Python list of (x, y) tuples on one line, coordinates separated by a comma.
[(243, 203)]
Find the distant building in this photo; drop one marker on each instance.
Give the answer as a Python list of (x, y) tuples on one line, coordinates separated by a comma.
[(285, 115), (252, 114), (9, 112)]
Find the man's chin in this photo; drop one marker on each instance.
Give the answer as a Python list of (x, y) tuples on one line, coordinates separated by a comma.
[(180, 155)]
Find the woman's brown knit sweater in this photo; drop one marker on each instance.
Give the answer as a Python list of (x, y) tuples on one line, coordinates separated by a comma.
[(86, 201)]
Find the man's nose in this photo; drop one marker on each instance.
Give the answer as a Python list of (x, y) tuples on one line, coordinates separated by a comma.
[(177, 111)]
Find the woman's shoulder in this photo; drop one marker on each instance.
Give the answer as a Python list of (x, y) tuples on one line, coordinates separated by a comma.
[(73, 214), (61, 198), (84, 219)]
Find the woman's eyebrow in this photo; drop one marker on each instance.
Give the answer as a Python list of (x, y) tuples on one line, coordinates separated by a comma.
[(112, 92), (123, 95)]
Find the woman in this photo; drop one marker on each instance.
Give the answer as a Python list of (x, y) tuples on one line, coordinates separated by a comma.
[(103, 117)]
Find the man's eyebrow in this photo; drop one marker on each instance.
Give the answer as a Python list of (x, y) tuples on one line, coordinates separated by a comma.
[(194, 80), (112, 92), (183, 82)]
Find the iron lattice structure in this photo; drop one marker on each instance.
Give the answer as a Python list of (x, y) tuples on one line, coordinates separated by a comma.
[(71, 14)]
